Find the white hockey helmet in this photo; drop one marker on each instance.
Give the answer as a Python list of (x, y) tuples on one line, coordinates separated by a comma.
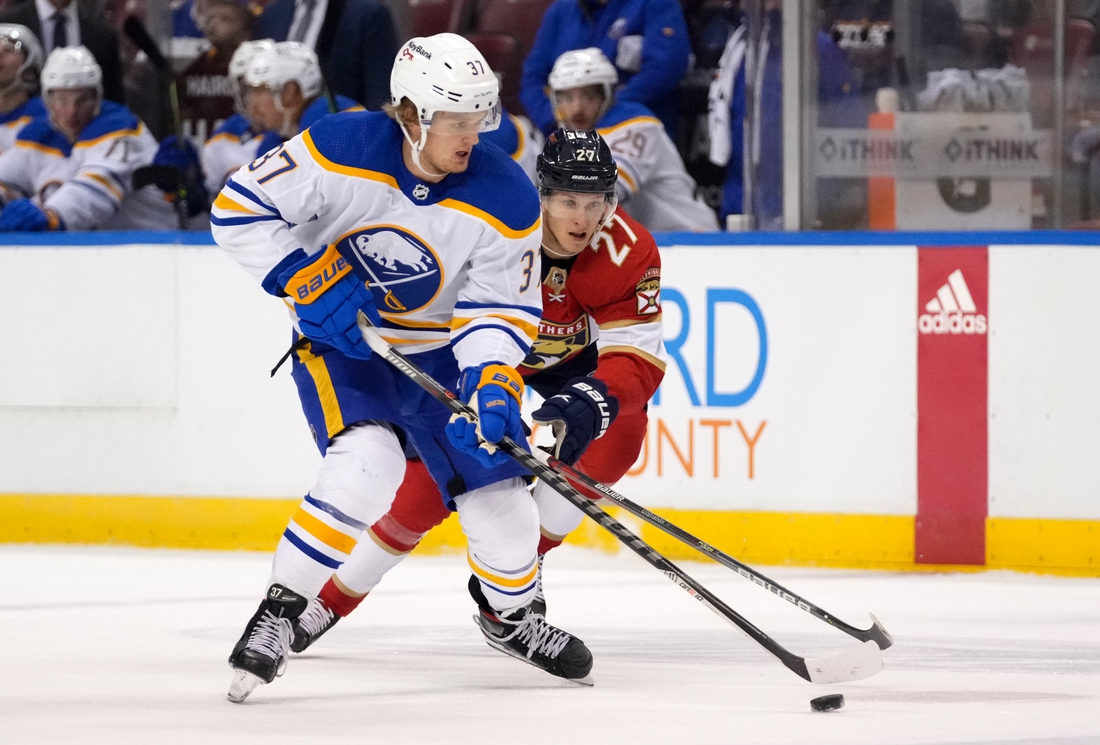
[(581, 68), (239, 62), (21, 39), (444, 72), (283, 63), (72, 67)]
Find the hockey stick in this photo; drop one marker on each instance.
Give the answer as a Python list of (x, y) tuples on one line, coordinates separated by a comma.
[(876, 633), (160, 175), (855, 664)]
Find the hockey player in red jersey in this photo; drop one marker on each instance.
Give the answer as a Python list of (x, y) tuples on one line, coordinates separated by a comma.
[(598, 359)]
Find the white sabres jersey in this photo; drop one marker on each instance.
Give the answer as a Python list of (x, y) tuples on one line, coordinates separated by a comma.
[(653, 183), (12, 123), (232, 145), (88, 183), (518, 137), (456, 262)]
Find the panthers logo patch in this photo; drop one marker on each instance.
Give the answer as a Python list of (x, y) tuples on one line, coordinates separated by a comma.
[(557, 342), (404, 272)]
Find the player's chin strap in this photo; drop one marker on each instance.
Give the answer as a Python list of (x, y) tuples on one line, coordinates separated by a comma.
[(416, 148), (854, 664)]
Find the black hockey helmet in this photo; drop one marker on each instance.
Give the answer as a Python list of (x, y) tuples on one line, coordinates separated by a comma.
[(576, 160)]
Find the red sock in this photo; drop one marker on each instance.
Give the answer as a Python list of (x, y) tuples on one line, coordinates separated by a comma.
[(338, 601), (545, 544)]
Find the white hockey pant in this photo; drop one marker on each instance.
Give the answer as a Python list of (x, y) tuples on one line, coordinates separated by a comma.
[(359, 476), (501, 525), (557, 516)]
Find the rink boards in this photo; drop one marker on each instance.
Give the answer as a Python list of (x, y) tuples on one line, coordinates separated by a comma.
[(922, 399)]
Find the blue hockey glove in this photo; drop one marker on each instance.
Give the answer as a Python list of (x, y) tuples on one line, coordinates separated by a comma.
[(327, 299), (494, 391), (23, 214), (581, 413), (181, 154)]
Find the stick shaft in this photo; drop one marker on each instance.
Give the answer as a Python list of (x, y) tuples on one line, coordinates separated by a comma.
[(876, 633), (793, 662)]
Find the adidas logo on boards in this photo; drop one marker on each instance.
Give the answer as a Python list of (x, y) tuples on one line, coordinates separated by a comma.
[(952, 311)]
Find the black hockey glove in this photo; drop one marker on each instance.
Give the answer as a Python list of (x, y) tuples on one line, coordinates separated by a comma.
[(581, 413)]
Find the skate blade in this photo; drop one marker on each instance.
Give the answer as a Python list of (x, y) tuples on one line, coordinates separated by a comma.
[(243, 683), (587, 681)]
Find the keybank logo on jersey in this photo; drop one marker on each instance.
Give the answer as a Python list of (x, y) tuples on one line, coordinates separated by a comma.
[(405, 274), (952, 311)]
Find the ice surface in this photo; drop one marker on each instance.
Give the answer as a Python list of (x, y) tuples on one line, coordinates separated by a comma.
[(129, 646)]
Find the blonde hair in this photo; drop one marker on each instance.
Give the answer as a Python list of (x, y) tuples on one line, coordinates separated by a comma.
[(404, 112)]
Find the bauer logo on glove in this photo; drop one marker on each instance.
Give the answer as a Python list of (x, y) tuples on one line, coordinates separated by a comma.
[(310, 280), (581, 413)]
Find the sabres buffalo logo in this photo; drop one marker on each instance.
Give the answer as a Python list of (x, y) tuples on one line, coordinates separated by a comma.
[(404, 272)]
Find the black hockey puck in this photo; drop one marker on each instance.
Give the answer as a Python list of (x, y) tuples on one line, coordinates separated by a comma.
[(828, 703)]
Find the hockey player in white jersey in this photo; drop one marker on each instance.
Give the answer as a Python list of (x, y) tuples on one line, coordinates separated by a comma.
[(21, 61), (653, 183), (263, 121), (400, 216), (282, 90), (74, 169), (236, 141)]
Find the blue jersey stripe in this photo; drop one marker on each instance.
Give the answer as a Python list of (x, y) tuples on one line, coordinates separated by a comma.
[(231, 184), (496, 588), (468, 305), (214, 219), (310, 551), (335, 512), (521, 341)]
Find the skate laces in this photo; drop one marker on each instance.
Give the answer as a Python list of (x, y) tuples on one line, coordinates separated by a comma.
[(315, 618), (539, 636), (272, 636)]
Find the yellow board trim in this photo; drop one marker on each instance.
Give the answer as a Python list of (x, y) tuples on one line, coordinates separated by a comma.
[(326, 534), (1042, 545), (1046, 546), (326, 393)]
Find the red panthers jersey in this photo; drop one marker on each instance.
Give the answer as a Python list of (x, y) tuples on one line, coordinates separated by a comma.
[(608, 295)]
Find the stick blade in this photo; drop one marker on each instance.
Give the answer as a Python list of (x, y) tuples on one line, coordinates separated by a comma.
[(879, 634), (855, 664)]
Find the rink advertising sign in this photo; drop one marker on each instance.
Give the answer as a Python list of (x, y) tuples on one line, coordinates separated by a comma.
[(941, 145), (756, 411), (952, 395)]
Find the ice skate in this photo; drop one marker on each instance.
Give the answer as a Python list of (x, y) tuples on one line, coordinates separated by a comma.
[(314, 621), (538, 605), (260, 654), (525, 635)]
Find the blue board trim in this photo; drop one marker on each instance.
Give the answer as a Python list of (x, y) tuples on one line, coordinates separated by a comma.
[(665, 240), (885, 238), (110, 238)]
